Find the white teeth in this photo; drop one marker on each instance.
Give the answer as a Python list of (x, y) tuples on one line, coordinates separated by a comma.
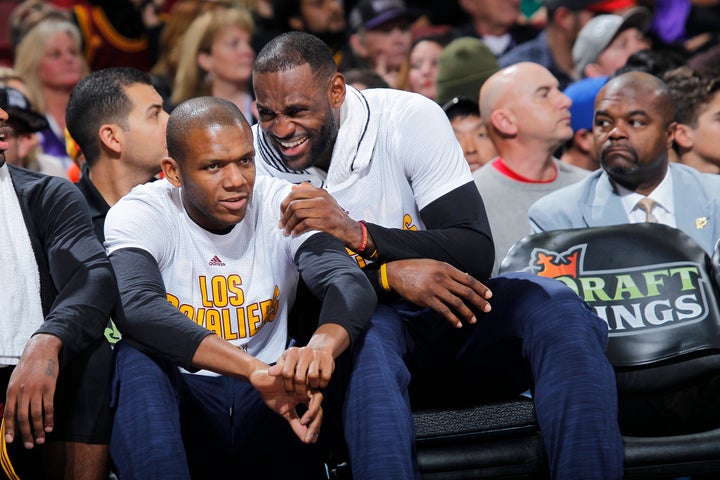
[(293, 144)]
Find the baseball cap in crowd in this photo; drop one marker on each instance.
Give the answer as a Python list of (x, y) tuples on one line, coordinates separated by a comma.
[(22, 117), (603, 6), (461, 106), (599, 32), (463, 66), (370, 14), (583, 93)]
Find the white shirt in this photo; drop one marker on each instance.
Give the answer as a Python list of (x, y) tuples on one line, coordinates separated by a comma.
[(240, 285), (664, 209)]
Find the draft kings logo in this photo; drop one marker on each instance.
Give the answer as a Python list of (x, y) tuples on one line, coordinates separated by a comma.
[(631, 300)]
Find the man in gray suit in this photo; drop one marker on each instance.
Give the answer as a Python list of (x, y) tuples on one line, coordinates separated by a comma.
[(633, 130)]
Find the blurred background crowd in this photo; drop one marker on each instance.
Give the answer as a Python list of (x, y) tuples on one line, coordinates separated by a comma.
[(443, 50)]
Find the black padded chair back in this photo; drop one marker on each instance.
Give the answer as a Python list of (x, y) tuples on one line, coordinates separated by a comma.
[(654, 286)]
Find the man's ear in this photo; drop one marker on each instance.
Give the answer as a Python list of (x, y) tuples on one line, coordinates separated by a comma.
[(584, 140), (336, 91), (503, 122), (111, 137), (592, 70), (684, 136), (171, 171)]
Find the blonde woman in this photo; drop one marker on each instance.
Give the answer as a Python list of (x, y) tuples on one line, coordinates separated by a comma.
[(216, 59), (49, 60)]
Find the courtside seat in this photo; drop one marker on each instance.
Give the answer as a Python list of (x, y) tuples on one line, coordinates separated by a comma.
[(658, 291)]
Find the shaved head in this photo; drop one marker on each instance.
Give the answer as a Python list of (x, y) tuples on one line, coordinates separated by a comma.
[(498, 89), (636, 83)]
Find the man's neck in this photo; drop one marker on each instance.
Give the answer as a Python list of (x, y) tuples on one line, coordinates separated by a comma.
[(114, 183), (535, 164)]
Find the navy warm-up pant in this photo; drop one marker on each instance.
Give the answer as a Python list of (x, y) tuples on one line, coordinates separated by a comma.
[(176, 426), (539, 335)]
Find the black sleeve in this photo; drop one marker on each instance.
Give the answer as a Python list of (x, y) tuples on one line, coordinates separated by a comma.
[(148, 321), (333, 276), (76, 269), (457, 232)]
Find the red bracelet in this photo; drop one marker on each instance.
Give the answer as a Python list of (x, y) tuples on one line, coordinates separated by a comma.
[(363, 238)]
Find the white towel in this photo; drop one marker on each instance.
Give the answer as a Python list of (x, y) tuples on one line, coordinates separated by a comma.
[(20, 306)]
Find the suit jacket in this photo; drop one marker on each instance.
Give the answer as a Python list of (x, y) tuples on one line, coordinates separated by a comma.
[(593, 202)]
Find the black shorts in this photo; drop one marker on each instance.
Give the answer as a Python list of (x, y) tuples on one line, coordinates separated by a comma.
[(82, 397)]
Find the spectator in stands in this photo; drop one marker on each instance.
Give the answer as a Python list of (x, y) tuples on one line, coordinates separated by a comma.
[(696, 96), (178, 20), (497, 23), (470, 131), (579, 150), (29, 13), (23, 143), (49, 60), (419, 70), (362, 78), (606, 42), (528, 119), (323, 18), (381, 37), (119, 32), (391, 160), (634, 129), (653, 61), (464, 65), (552, 48), (216, 59)]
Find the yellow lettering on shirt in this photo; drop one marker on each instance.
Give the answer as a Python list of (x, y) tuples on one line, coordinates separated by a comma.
[(223, 309)]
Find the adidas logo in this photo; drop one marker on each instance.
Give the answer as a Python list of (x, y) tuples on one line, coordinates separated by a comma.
[(216, 262)]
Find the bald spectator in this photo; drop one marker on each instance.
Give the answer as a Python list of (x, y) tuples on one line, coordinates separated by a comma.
[(580, 149), (606, 42), (553, 47), (634, 128), (527, 118), (696, 96)]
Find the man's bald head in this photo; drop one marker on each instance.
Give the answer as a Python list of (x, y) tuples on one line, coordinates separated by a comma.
[(636, 84), (522, 102), (494, 92), (199, 113)]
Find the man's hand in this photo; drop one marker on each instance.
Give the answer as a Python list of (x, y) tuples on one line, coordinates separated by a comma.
[(31, 391), (273, 393), (311, 208), (440, 286), (302, 367)]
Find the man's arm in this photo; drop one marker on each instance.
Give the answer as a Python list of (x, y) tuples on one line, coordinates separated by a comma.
[(79, 268), (348, 301), (438, 267)]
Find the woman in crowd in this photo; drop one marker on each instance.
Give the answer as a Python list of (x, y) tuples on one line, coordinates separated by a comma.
[(419, 72), (49, 60), (216, 59)]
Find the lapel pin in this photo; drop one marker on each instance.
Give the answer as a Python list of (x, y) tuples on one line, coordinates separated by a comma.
[(701, 222)]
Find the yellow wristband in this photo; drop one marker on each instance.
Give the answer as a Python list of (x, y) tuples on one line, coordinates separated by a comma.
[(384, 279)]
